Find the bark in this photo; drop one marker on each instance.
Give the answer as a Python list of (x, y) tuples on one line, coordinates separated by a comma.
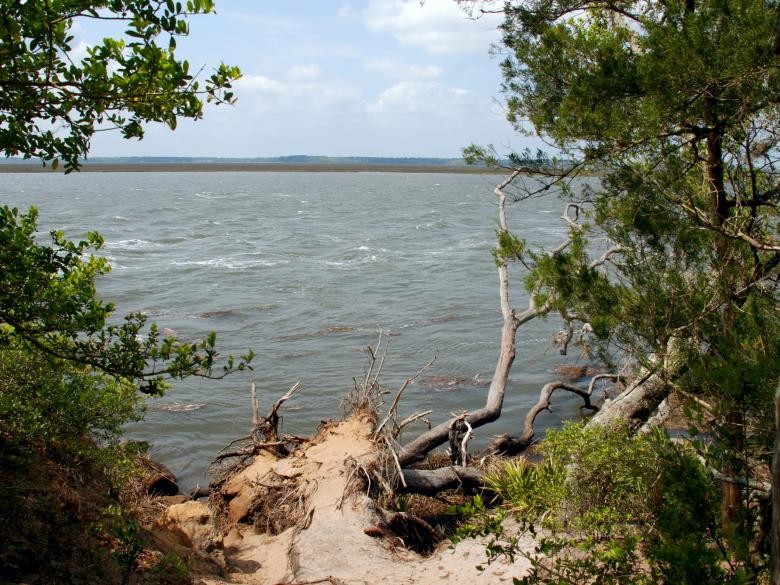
[(438, 435), (635, 405), (513, 445), (433, 481), (638, 404)]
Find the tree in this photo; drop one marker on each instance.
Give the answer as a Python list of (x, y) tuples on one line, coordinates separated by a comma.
[(51, 105), (675, 108), (69, 370)]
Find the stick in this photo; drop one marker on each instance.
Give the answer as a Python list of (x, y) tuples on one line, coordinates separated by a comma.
[(255, 415), (397, 463), (382, 361), (465, 442), (394, 405), (410, 419)]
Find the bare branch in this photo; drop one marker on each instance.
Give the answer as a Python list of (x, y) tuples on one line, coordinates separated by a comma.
[(512, 445), (391, 412)]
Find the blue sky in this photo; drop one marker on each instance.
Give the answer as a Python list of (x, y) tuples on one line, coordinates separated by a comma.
[(337, 78)]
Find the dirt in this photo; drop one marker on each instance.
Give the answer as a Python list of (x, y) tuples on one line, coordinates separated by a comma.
[(335, 532)]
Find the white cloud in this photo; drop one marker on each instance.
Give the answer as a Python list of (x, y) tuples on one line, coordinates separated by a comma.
[(304, 72), (258, 84), (438, 26), (398, 70), (345, 11), (262, 94), (417, 97)]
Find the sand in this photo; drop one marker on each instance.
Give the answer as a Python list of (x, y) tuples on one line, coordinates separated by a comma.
[(330, 544)]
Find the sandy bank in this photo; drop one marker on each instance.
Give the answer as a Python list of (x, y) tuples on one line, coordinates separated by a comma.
[(333, 534)]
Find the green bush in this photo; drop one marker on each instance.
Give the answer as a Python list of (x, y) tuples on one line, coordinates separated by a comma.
[(50, 404), (608, 506)]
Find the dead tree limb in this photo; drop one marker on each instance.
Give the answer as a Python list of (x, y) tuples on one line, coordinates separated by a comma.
[(267, 426), (422, 445), (433, 481), (508, 445), (255, 407), (411, 418), (392, 411), (513, 319)]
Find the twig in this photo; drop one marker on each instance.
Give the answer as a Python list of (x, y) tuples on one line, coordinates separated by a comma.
[(293, 389), (410, 419), (598, 377), (397, 463), (255, 415), (372, 361), (382, 361), (394, 405)]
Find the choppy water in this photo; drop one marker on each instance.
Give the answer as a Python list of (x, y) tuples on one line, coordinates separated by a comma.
[(306, 268)]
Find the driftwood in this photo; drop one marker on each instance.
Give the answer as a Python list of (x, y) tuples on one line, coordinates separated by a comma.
[(433, 481), (512, 445), (513, 319)]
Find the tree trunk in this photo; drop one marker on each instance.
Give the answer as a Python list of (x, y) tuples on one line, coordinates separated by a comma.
[(439, 434), (635, 405), (639, 402), (433, 481)]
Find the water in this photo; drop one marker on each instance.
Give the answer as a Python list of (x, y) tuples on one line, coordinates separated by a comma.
[(306, 269)]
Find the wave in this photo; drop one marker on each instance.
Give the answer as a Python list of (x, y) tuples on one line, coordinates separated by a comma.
[(131, 244), (209, 195), (231, 263), (369, 259)]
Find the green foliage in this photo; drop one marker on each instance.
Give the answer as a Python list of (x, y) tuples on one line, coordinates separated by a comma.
[(69, 370), (68, 382), (171, 570), (607, 506), (127, 531), (51, 404), (121, 83), (675, 106)]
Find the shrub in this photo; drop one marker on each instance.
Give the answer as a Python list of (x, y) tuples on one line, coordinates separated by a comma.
[(608, 506)]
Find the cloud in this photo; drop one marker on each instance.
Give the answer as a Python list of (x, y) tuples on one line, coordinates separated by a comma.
[(304, 72), (398, 70), (417, 97), (345, 11), (437, 26), (302, 93)]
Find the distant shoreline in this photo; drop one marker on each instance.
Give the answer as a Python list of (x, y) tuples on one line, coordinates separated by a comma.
[(144, 167)]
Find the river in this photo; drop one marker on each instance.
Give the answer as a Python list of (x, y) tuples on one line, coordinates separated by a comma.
[(306, 269)]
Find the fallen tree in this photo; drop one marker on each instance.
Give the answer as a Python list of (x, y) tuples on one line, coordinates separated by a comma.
[(509, 248)]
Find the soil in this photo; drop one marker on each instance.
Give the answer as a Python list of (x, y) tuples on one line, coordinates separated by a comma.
[(334, 532)]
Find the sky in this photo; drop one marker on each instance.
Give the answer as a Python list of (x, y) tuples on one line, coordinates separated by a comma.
[(337, 78)]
